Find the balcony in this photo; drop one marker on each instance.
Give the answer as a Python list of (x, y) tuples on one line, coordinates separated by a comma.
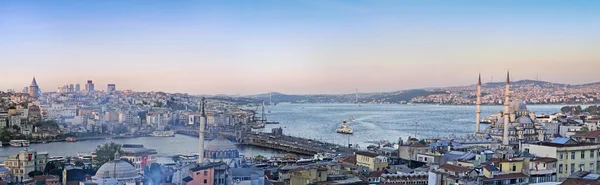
[(541, 172)]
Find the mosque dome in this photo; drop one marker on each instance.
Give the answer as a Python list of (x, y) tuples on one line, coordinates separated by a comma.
[(219, 144), (117, 169)]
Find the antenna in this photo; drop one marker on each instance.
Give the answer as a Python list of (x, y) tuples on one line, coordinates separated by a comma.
[(356, 95)]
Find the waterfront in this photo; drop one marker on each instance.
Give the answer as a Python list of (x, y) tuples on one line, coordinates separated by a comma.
[(318, 121)]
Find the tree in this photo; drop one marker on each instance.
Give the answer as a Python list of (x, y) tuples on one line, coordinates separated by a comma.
[(34, 173), (6, 135), (106, 152), (54, 168)]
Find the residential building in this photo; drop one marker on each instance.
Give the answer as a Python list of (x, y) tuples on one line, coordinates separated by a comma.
[(504, 171), (302, 176), (24, 162), (572, 156), (590, 137), (208, 174), (371, 160), (139, 156), (541, 169), (411, 148), (582, 178), (449, 174)]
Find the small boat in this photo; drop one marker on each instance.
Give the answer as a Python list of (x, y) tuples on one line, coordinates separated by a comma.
[(19, 143), (488, 119), (351, 118), (70, 139), (271, 122), (344, 129), (258, 125)]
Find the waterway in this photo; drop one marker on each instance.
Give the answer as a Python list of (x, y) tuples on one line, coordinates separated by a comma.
[(319, 121)]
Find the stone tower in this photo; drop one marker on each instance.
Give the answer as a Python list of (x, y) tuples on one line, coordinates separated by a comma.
[(34, 89)]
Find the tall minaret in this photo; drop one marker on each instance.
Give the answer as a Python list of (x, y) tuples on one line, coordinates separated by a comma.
[(478, 110), (201, 131), (506, 111)]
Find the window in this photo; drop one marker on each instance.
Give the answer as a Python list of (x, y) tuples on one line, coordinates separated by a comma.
[(581, 167), (514, 168), (572, 167), (572, 155), (582, 154), (591, 153), (560, 155), (205, 173), (592, 169), (205, 181)]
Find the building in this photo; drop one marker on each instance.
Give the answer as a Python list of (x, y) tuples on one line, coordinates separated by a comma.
[(116, 172), (582, 178), (505, 171), (303, 176), (208, 174), (24, 162), (89, 86), (111, 88), (139, 156), (34, 90), (77, 87), (515, 124), (541, 169), (371, 160), (411, 148), (590, 137), (449, 174), (221, 149), (572, 156)]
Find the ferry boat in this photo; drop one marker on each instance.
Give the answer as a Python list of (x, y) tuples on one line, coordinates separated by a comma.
[(344, 129), (488, 120), (19, 143), (163, 134), (258, 125)]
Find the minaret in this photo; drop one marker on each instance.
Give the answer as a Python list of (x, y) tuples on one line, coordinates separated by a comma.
[(478, 110), (201, 131), (506, 111)]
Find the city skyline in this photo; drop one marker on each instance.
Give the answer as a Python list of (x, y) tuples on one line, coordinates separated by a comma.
[(296, 47)]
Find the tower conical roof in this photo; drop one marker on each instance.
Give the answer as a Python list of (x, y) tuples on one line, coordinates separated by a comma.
[(33, 82)]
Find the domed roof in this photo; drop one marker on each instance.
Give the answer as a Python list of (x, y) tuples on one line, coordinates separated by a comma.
[(524, 120), (220, 144), (117, 169), (517, 106)]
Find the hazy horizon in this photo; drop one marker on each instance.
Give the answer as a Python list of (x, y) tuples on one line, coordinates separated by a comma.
[(296, 46)]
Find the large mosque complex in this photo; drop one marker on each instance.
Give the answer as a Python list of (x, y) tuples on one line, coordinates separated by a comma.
[(515, 125)]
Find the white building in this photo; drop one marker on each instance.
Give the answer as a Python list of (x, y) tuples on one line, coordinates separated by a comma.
[(24, 162)]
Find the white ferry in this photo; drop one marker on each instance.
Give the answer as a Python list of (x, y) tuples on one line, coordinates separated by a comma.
[(19, 143), (344, 129), (163, 134)]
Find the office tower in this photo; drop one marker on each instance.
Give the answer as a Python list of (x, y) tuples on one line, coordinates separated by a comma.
[(77, 88), (111, 88), (89, 86)]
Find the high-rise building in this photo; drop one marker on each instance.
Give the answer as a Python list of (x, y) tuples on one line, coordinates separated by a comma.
[(89, 86), (77, 88), (34, 89), (71, 88), (111, 88)]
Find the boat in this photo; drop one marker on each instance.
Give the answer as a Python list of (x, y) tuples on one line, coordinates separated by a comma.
[(70, 139), (344, 129), (19, 143), (271, 122), (163, 134), (488, 119)]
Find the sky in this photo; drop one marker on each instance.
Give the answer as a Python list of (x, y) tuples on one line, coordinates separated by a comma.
[(295, 46)]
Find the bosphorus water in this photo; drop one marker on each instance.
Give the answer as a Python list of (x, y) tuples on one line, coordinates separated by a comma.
[(373, 122)]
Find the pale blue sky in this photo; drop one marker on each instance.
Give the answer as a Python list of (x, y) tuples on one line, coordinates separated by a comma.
[(295, 46)]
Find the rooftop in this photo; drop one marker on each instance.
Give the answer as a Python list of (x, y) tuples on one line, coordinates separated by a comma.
[(590, 134), (368, 154), (454, 168), (207, 166), (507, 176)]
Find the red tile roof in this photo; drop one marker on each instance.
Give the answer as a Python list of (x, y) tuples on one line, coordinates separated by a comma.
[(589, 134), (572, 181), (454, 168), (368, 154)]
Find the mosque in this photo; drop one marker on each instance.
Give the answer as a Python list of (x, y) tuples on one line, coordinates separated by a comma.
[(516, 124), (218, 149), (117, 172)]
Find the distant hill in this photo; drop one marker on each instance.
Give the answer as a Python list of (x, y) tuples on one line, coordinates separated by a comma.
[(385, 97)]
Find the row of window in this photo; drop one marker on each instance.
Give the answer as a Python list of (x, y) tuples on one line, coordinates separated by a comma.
[(582, 154), (573, 169)]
